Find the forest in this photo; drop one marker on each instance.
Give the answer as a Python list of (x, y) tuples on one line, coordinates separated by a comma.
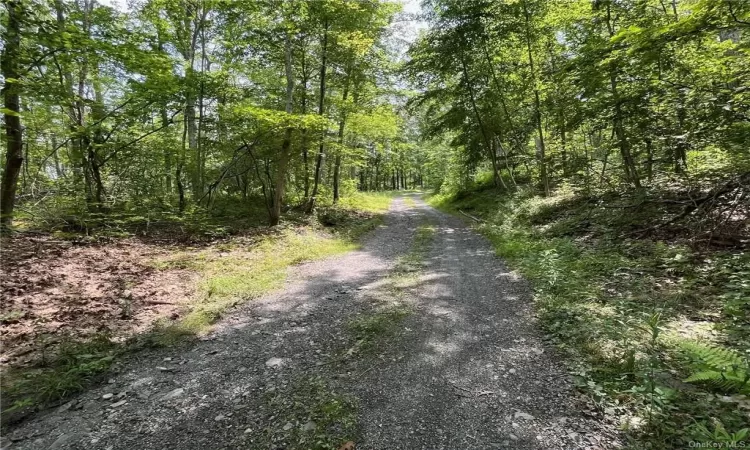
[(165, 161)]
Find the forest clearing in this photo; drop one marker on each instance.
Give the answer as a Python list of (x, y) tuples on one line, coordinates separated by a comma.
[(373, 224)]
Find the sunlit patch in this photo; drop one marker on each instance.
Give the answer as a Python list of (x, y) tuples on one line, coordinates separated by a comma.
[(512, 276), (441, 311), (444, 348), (684, 328)]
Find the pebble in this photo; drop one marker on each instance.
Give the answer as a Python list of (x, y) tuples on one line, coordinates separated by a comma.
[(120, 403), (173, 394), (141, 382), (66, 406), (108, 396), (524, 416), (275, 362), (288, 426), (219, 418), (61, 441), (309, 426)]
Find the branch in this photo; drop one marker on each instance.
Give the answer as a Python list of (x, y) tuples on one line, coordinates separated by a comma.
[(476, 219), (734, 16), (44, 160), (135, 141), (235, 158), (695, 204)]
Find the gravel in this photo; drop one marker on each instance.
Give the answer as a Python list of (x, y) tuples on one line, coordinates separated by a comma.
[(468, 369)]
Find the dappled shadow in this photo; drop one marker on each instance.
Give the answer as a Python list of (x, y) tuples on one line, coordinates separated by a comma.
[(468, 368), (471, 370)]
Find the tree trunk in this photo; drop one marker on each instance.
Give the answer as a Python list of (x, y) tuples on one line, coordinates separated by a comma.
[(12, 103), (74, 112), (495, 169), (487, 145), (321, 105), (200, 152), (680, 150), (97, 116), (304, 138), (342, 125), (56, 158), (188, 56), (167, 156), (631, 173), (278, 193), (537, 107)]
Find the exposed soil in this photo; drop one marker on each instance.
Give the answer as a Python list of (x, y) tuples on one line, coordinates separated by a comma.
[(54, 290)]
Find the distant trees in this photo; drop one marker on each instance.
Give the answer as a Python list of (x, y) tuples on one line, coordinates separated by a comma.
[(593, 93), (180, 104)]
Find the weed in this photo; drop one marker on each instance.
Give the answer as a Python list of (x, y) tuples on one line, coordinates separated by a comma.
[(720, 368), (414, 259), (311, 416), (76, 365), (373, 202), (372, 330)]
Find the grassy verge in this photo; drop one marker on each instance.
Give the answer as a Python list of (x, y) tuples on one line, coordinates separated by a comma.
[(234, 274), (373, 202), (656, 332), (230, 272)]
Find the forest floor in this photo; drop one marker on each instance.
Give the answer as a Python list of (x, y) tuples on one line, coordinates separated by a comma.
[(421, 338), (57, 289)]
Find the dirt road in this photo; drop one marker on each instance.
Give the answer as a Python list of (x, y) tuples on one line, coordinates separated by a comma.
[(442, 354)]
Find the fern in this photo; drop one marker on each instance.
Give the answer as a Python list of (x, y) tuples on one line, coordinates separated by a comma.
[(719, 434), (721, 368)]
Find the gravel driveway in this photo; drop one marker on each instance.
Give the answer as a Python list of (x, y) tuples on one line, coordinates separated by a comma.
[(464, 369)]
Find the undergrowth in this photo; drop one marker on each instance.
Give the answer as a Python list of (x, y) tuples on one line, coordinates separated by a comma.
[(656, 331)]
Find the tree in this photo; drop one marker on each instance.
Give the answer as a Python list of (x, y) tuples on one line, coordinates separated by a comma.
[(12, 110)]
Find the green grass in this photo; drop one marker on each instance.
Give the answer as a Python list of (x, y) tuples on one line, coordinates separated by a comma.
[(372, 331), (373, 202), (414, 259), (241, 274), (315, 401), (74, 367), (410, 202), (623, 309)]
